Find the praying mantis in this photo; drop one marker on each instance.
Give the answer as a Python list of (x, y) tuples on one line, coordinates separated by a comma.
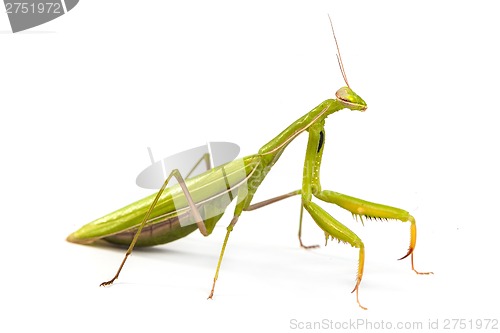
[(200, 201)]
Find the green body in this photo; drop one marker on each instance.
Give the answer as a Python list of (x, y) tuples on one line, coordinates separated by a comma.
[(160, 218), (206, 189), (164, 225)]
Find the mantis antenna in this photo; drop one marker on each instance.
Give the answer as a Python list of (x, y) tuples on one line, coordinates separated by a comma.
[(339, 58)]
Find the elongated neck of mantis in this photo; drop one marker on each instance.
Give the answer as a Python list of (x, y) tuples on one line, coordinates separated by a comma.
[(273, 149)]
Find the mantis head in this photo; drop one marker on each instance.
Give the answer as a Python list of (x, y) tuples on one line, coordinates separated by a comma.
[(350, 99), (345, 95)]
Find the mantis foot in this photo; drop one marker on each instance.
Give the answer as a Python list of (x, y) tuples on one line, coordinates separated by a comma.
[(110, 282), (212, 291), (107, 283), (308, 247), (356, 289), (419, 273)]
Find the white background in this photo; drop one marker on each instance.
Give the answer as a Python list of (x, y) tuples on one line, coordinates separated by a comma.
[(82, 97)]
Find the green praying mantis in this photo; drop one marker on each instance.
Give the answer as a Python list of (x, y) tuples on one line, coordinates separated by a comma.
[(200, 201)]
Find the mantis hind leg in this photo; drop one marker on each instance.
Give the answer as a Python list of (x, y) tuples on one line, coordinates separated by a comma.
[(370, 210), (204, 158), (194, 211)]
